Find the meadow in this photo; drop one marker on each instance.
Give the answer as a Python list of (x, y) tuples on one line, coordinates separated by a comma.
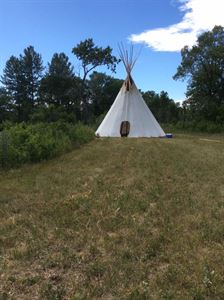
[(116, 219)]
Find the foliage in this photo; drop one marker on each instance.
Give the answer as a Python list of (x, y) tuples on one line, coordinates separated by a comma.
[(93, 56), (52, 113), (103, 91), (203, 66), (32, 67), (98, 120), (13, 82), (22, 143), (60, 66), (21, 78), (59, 86), (202, 126), (60, 95), (164, 109), (6, 106), (29, 96)]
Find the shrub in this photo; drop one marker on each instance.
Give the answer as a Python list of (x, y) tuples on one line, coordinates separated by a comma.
[(22, 143), (4, 148), (81, 134), (98, 120), (52, 113), (194, 126)]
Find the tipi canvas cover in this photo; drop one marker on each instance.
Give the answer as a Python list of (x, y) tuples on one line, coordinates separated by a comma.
[(129, 115)]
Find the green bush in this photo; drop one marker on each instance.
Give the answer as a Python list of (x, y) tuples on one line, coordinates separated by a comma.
[(81, 134), (23, 143), (52, 113), (98, 120), (194, 126)]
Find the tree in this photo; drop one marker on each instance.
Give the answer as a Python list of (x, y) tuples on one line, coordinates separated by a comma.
[(32, 67), (103, 91), (58, 81), (163, 108), (60, 89), (13, 80), (92, 56), (21, 79), (60, 66), (203, 67)]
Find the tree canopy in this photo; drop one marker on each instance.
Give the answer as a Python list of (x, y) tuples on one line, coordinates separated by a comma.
[(93, 56), (203, 67)]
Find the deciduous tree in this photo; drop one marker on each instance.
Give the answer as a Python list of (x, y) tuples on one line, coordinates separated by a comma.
[(92, 56), (203, 67)]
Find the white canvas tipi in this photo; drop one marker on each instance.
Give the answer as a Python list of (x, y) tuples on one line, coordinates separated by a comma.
[(129, 115)]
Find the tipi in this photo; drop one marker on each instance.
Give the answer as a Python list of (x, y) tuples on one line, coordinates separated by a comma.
[(129, 115)]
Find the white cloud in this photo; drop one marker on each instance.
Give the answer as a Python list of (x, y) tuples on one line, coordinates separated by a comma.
[(200, 15)]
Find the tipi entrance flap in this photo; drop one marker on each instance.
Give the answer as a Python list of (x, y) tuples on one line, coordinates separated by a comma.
[(125, 128)]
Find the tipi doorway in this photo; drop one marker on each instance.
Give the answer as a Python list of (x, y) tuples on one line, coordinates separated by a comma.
[(125, 128)]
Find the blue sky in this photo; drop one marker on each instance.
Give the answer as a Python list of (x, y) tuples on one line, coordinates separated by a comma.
[(163, 27)]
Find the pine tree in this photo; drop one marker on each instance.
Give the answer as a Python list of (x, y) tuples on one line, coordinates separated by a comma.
[(57, 83), (21, 79)]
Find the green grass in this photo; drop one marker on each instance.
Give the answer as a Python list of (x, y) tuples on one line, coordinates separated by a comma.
[(116, 219)]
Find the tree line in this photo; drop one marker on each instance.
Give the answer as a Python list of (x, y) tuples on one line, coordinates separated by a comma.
[(32, 92)]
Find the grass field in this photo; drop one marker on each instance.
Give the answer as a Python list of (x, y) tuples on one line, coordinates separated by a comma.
[(116, 219)]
